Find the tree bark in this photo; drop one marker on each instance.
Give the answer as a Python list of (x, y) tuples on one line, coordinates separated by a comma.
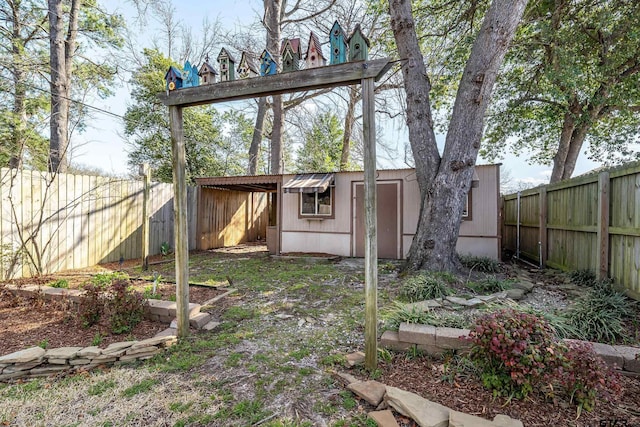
[(445, 182), (256, 140), (349, 122), (59, 88)]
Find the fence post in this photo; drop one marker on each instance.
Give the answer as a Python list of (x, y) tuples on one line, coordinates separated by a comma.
[(603, 226), (145, 171), (542, 207)]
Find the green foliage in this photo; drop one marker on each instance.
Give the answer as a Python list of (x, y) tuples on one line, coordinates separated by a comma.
[(61, 283), (600, 314), (238, 314), (210, 151), (101, 387), (403, 313), (142, 387), (322, 146), (490, 285), (426, 285), (97, 339), (125, 307), (583, 277), (43, 344), (104, 280), (91, 305), (165, 248), (482, 264)]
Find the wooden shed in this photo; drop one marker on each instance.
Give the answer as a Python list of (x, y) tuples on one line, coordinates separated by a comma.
[(324, 212)]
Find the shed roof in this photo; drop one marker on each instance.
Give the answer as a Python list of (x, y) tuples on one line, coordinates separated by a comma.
[(250, 183)]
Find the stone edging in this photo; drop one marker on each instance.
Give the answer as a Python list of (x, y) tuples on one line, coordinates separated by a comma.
[(436, 341), (37, 362)]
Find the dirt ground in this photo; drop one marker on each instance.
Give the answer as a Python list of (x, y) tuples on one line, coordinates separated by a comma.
[(270, 363)]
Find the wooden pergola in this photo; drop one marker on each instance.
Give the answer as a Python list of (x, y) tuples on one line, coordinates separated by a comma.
[(365, 73)]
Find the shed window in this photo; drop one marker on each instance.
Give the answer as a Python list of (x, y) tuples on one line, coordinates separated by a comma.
[(466, 209), (317, 203)]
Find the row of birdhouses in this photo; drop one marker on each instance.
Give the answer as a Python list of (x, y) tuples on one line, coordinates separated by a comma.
[(343, 49)]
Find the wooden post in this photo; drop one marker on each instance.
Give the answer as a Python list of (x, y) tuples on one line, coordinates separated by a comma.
[(181, 228), (145, 171), (603, 226), (542, 207), (371, 227)]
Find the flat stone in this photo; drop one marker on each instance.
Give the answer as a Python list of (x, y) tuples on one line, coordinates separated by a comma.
[(474, 302), (92, 351), (23, 356), (498, 295), (609, 354), (211, 326), (422, 411), (416, 333), (457, 300), (383, 418), (460, 419), (13, 375), (515, 293), (424, 305), (391, 341), (104, 358), (450, 338), (75, 362), (356, 358), (117, 346), (631, 357), (348, 378), (141, 350), (63, 352), (371, 391), (506, 421), (159, 307), (48, 370), (199, 320), (525, 285), (155, 341), (138, 356), (52, 361), (22, 366), (169, 332)]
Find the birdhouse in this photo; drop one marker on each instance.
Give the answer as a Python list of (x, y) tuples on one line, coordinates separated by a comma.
[(338, 42), (268, 66), (314, 58), (173, 77), (207, 73), (358, 45), (227, 66), (190, 75), (291, 55), (247, 67)]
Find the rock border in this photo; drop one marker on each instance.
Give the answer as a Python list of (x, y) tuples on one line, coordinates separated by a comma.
[(436, 341)]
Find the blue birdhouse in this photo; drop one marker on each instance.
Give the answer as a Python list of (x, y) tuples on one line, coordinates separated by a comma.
[(268, 66), (338, 42), (358, 45), (173, 77), (190, 75)]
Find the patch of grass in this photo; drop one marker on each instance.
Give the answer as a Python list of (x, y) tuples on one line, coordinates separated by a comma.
[(583, 277), (250, 411), (180, 406), (233, 360), (43, 344), (101, 387), (103, 280), (237, 314), (61, 284), (97, 339), (300, 353), (348, 401), (142, 387), (333, 360), (490, 285), (425, 286), (482, 264), (403, 313)]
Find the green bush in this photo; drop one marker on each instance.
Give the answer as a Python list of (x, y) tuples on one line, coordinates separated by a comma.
[(62, 284), (104, 280), (490, 285), (424, 286), (583, 277), (483, 264), (125, 307), (91, 305), (600, 314), (403, 313)]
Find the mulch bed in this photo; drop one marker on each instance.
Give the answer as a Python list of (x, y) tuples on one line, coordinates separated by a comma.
[(423, 376)]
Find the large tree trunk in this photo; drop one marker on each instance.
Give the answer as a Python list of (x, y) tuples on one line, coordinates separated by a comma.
[(256, 140), (445, 183), (59, 88), (349, 122)]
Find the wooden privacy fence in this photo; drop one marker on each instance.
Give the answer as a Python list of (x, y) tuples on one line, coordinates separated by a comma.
[(55, 222), (590, 222)]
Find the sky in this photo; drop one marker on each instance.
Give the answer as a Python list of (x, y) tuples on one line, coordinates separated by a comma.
[(103, 145)]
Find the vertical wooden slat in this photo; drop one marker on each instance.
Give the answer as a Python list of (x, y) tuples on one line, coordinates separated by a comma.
[(146, 182), (542, 206), (603, 225), (180, 220), (370, 219)]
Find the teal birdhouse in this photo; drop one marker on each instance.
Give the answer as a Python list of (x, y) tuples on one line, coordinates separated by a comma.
[(358, 45), (207, 73), (338, 42), (247, 67), (314, 57), (268, 66), (291, 55), (173, 78), (227, 66), (190, 76)]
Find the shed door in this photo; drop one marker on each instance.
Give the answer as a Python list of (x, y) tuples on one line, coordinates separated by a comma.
[(388, 206)]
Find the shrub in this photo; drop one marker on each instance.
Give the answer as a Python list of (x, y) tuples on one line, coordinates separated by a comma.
[(104, 280), (403, 313), (125, 307), (583, 277), (62, 283), (583, 375), (91, 305), (424, 286), (513, 350), (490, 285), (484, 264), (600, 314)]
